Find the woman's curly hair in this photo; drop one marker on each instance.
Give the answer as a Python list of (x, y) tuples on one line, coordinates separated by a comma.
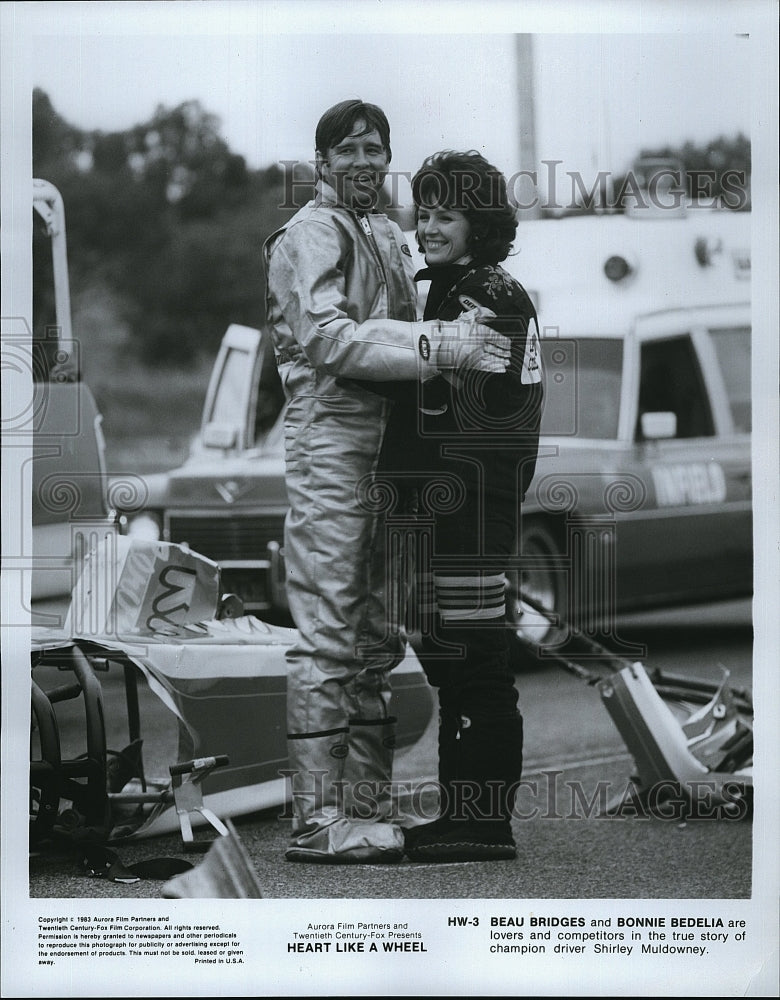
[(467, 183)]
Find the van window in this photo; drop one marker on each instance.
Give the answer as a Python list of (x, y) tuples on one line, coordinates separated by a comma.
[(45, 334), (582, 387), (670, 381), (732, 346)]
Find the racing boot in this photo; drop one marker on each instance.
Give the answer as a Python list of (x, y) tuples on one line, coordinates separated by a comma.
[(368, 769), (322, 834), (449, 726), (489, 766)]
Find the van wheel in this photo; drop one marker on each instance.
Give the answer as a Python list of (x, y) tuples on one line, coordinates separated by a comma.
[(536, 595)]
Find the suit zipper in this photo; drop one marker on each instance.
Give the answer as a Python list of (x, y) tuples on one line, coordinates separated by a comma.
[(365, 225)]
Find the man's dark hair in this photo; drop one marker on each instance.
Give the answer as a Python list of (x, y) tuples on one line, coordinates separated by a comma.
[(467, 183), (339, 121)]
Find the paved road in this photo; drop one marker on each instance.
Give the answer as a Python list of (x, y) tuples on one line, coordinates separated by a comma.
[(565, 851)]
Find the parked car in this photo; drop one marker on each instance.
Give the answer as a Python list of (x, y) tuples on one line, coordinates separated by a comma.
[(642, 494)]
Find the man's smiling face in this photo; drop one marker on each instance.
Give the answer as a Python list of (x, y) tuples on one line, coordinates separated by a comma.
[(356, 167)]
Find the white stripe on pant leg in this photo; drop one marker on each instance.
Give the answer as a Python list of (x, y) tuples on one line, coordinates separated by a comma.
[(470, 598), (426, 596)]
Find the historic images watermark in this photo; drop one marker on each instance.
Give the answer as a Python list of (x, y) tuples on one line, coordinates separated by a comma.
[(553, 190), (544, 795)]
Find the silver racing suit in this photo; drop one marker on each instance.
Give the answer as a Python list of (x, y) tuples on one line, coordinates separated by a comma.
[(334, 279)]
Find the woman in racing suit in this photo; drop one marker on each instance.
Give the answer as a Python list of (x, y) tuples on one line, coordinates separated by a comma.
[(469, 448)]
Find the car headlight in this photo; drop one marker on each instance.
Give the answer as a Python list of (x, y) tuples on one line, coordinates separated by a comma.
[(144, 526)]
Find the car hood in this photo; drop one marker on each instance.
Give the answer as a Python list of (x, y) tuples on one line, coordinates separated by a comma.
[(229, 482)]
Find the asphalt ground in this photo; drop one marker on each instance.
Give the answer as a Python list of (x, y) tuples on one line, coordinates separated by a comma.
[(566, 850), (559, 857)]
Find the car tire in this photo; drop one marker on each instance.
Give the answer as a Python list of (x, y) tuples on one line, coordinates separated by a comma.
[(536, 595)]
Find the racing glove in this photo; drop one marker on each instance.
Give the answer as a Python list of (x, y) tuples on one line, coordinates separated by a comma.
[(464, 342)]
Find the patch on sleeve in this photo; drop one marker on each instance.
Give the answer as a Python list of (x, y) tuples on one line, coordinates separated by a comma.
[(468, 303), (532, 360)]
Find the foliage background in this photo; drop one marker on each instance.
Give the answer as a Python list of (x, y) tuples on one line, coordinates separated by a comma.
[(165, 229)]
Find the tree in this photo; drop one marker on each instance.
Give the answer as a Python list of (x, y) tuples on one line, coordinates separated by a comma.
[(715, 175), (722, 168), (169, 218)]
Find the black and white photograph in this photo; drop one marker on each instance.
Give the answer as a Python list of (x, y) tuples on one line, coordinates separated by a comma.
[(389, 498)]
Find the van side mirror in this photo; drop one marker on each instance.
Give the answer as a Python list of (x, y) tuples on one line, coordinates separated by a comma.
[(220, 435), (658, 425)]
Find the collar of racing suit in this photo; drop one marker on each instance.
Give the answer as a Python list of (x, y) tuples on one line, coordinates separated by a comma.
[(324, 194), (443, 279)]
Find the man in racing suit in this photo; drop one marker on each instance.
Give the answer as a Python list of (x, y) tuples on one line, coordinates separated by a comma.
[(341, 306)]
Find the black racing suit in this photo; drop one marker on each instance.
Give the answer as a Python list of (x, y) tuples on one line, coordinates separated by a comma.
[(463, 452)]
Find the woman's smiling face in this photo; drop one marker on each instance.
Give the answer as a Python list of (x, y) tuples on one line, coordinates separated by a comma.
[(443, 234)]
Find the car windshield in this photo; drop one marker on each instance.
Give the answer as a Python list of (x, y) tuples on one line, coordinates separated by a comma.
[(229, 403), (582, 387)]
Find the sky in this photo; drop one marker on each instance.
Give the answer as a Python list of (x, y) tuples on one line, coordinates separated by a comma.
[(602, 92)]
